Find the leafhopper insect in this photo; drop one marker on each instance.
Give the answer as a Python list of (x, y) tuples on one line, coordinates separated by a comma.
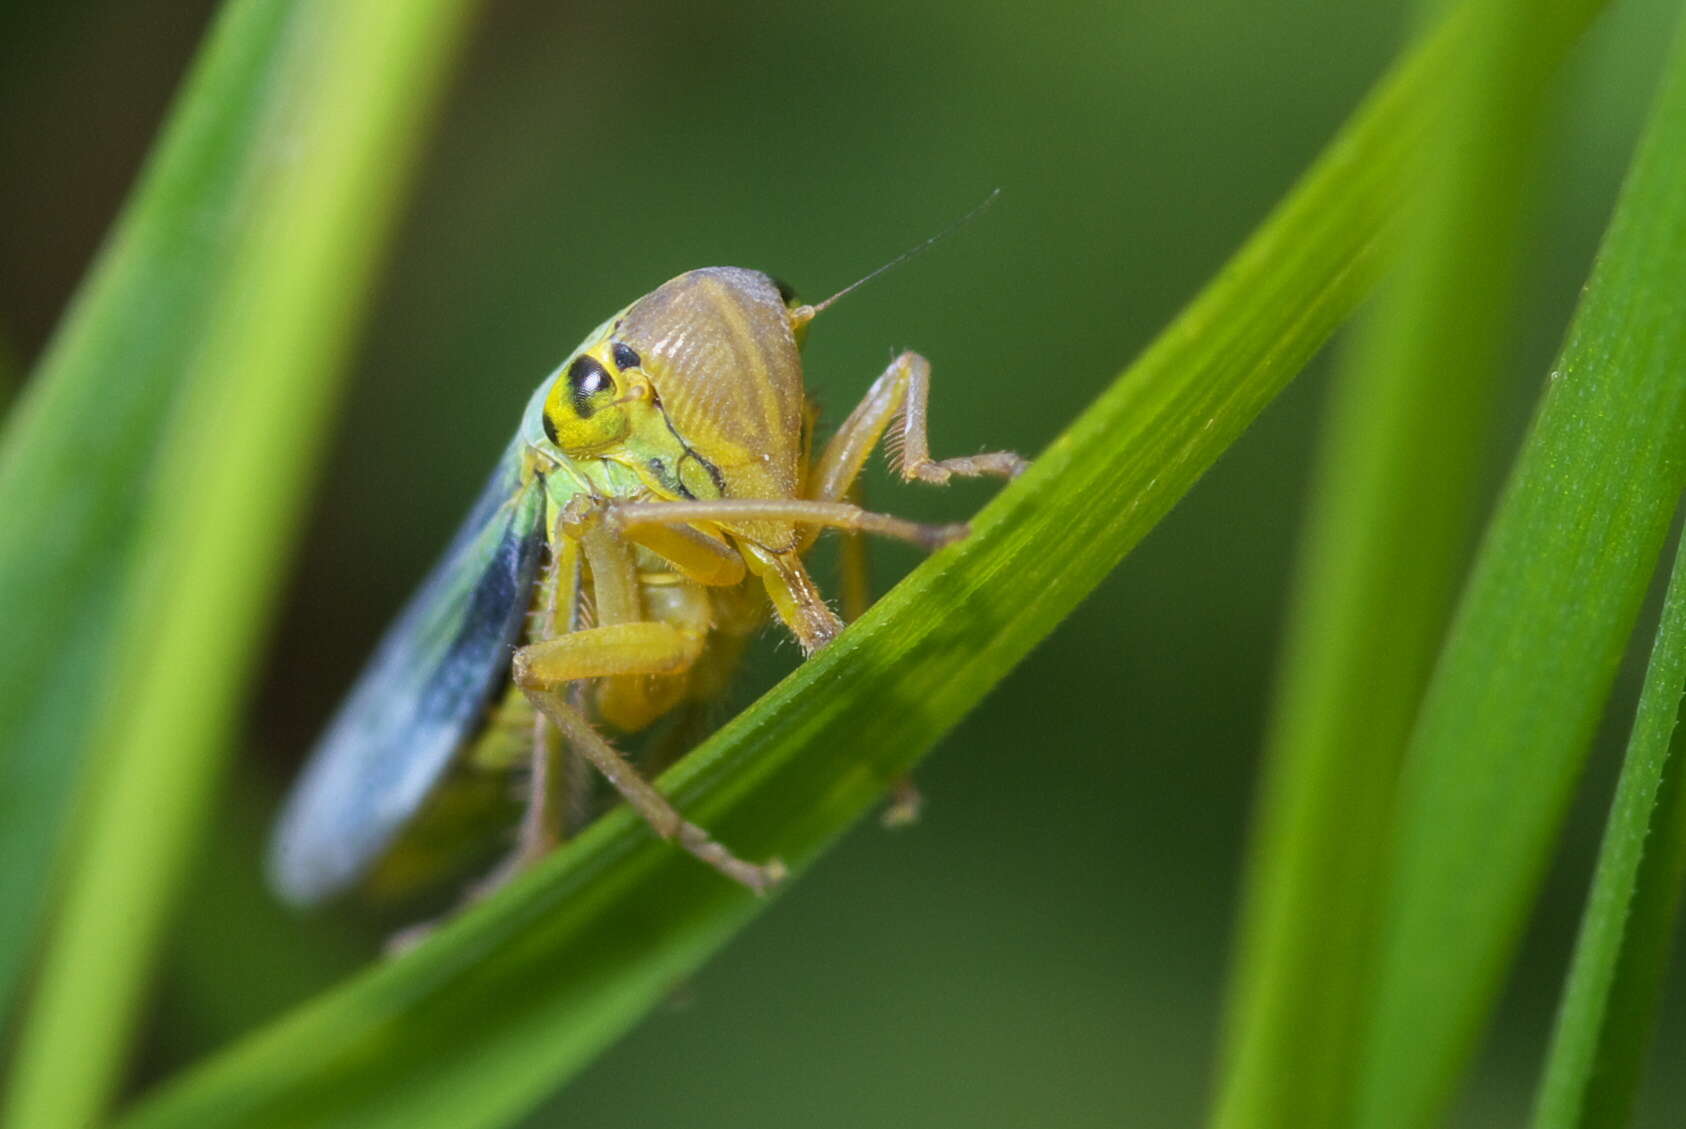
[(657, 501)]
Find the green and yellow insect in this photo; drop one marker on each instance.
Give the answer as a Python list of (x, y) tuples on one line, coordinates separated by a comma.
[(659, 496)]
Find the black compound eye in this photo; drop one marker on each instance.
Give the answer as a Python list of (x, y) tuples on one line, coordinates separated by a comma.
[(586, 379), (625, 357)]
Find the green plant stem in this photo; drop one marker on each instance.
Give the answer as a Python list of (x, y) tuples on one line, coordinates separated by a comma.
[(1610, 1000), (1554, 594), (352, 82), (1394, 503), (510, 999)]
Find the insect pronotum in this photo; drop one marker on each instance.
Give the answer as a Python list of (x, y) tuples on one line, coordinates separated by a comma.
[(657, 499)]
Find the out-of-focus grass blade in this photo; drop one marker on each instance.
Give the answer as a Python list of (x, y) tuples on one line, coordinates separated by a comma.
[(77, 448), (510, 999), (1395, 495), (1610, 1001), (331, 95), (83, 436), (1526, 670), (8, 388)]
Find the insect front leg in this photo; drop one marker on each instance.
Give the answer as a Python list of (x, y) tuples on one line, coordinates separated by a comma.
[(544, 671), (905, 389), (631, 518)]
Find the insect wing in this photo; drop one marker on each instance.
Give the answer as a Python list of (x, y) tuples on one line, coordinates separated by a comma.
[(419, 697)]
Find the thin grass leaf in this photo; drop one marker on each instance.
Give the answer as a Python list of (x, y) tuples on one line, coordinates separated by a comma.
[(342, 91), (504, 1003), (1552, 600), (1636, 990), (78, 441), (1611, 997), (1394, 506)]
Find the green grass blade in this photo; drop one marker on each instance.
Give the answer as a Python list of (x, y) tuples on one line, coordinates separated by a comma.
[(1608, 1013), (346, 87), (510, 999), (1395, 497), (1551, 602), (77, 441)]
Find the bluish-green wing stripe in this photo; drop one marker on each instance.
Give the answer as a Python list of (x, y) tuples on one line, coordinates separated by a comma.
[(426, 687)]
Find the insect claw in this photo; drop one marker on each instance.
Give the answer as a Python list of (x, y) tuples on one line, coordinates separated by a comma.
[(773, 872), (906, 802), (759, 878), (408, 938)]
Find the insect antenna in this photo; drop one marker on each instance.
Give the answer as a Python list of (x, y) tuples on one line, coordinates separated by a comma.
[(804, 314)]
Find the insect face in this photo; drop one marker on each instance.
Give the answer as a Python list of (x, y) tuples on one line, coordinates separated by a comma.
[(591, 408)]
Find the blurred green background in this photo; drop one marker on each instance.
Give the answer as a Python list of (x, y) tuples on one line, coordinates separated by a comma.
[(1048, 947)]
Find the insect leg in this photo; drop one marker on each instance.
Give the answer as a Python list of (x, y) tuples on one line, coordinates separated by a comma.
[(854, 569), (795, 597), (793, 592), (540, 829), (628, 516), (576, 777), (855, 596), (904, 389), (541, 824), (916, 443), (545, 670), (554, 793), (710, 561)]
